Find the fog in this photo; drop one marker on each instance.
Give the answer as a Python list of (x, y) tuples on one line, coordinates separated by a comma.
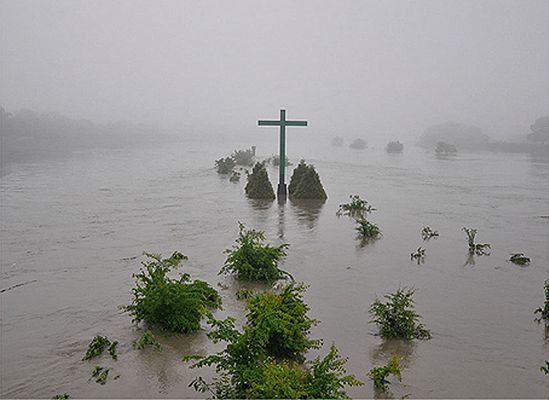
[(380, 70)]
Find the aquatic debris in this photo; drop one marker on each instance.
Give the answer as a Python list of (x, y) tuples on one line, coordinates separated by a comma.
[(251, 260), (427, 233), (544, 312), (476, 248), (17, 285), (147, 339), (225, 165), (259, 186), (519, 259), (305, 183), (379, 374), (357, 208), (397, 318), (98, 345), (418, 255), (100, 374), (174, 305)]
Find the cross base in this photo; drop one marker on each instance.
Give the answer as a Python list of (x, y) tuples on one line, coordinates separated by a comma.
[(281, 191)]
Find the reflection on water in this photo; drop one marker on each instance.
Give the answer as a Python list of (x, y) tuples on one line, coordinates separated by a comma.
[(307, 212)]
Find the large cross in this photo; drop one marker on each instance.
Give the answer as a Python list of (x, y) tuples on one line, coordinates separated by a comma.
[(281, 191)]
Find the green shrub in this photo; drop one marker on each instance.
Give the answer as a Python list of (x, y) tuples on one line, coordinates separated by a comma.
[(100, 374), (175, 305), (379, 374), (259, 186), (251, 260), (418, 255), (427, 233), (357, 208), (98, 345), (545, 368), (544, 311), (519, 259), (64, 396), (243, 157), (305, 184), (475, 248), (367, 230), (396, 318), (225, 165), (147, 339), (261, 361)]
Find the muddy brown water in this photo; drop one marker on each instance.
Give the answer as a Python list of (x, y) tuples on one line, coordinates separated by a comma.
[(73, 232)]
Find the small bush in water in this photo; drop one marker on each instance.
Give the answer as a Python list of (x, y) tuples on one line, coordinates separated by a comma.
[(379, 374), (235, 177), (418, 255), (243, 157), (259, 186), (397, 318), (367, 230), (519, 259), (545, 368), (251, 260), (64, 396), (98, 345), (100, 374), (225, 165), (147, 339), (427, 233), (175, 305), (357, 208), (544, 311), (476, 248)]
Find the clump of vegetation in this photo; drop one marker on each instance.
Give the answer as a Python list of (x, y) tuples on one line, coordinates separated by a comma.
[(275, 160), (225, 165), (245, 294), (262, 360), (147, 339), (394, 147), (480, 249), (358, 144), (259, 186), (397, 318), (64, 396), (305, 183), (519, 259), (379, 374), (443, 148), (235, 177), (243, 157), (545, 368), (357, 208), (544, 311), (367, 230), (418, 255), (100, 374), (175, 305), (251, 260), (427, 233), (98, 345)]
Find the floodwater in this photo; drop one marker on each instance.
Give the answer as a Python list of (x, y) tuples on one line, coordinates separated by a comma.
[(73, 232)]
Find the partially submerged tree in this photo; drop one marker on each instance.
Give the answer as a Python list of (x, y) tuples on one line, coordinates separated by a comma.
[(243, 157), (98, 345), (544, 311), (251, 260), (427, 233), (225, 165), (443, 148), (379, 374), (397, 318), (357, 208), (358, 144), (418, 255), (259, 186), (305, 183), (367, 230), (175, 305), (394, 147), (480, 249)]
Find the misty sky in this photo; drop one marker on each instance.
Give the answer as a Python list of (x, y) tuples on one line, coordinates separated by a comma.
[(352, 68)]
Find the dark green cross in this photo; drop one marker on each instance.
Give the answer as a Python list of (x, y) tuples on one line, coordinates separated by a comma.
[(281, 191)]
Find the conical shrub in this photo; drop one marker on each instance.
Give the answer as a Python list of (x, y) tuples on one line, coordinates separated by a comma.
[(259, 186), (305, 183)]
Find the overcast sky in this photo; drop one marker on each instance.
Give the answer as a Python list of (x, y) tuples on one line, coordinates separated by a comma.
[(353, 68)]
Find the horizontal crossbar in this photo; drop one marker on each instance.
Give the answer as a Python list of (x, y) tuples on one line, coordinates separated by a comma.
[(278, 123)]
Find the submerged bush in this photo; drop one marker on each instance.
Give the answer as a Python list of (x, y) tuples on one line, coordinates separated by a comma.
[(275, 160), (427, 233), (259, 186), (544, 311), (379, 374), (357, 208), (98, 345), (243, 157), (476, 248), (261, 361), (225, 165), (64, 396), (367, 230), (418, 255), (251, 260), (519, 259), (305, 183), (397, 318), (235, 176), (100, 374), (147, 339), (545, 368), (175, 305)]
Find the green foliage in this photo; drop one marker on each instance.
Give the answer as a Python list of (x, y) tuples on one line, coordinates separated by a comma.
[(100, 374), (545, 368), (357, 208), (147, 339), (235, 176), (98, 345), (519, 259), (305, 183), (64, 396), (427, 233), (175, 305), (259, 186), (418, 255), (225, 165), (379, 374), (243, 157), (544, 311), (475, 248), (367, 230), (260, 361), (252, 260), (397, 318)]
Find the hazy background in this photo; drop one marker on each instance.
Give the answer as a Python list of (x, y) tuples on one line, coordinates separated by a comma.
[(357, 68)]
